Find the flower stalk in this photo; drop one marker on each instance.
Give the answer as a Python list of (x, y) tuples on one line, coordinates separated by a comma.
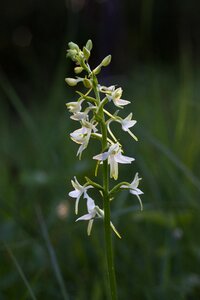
[(89, 110), (106, 203)]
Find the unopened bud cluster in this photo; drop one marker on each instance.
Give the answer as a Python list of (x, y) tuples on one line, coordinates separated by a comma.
[(91, 113)]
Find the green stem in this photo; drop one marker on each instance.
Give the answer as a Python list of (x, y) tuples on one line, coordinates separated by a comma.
[(106, 204)]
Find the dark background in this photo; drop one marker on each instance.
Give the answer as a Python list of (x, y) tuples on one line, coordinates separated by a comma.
[(35, 33)]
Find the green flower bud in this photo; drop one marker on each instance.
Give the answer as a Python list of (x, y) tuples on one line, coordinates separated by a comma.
[(86, 53), (73, 46), (71, 81), (97, 70), (106, 61), (89, 45), (87, 83), (78, 70)]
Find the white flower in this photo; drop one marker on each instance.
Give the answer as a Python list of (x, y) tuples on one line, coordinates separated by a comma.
[(113, 95), (128, 123), (74, 107), (116, 98), (79, 115), (133, 188), (82, 135), (125, 123), (114, 157), (93, 211), (79, 190)]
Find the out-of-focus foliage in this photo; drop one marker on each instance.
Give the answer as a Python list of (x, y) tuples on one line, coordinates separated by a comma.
[(159, 253)]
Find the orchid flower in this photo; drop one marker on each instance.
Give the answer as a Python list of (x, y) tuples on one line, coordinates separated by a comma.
[(114, 156), (82, 135), (116, 98), (74, 107), (125, 123), (114, 95), (128, 123), (94, 212), (79, 190), (133, 188), (83, 115)]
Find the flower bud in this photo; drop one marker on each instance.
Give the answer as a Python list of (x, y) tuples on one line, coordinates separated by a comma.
[(89, 45), (78, 70), (71, 81), (97, 70), (73, 46), (87, 83), (106, 61), (86, 53)]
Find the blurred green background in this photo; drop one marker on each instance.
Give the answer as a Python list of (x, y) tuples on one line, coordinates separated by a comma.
[(155, 47)]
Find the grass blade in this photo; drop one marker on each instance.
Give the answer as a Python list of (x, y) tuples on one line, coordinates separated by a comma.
[(19, 269), (51, 253)]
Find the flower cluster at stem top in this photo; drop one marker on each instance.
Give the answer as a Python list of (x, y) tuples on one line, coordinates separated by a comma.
[(91, 113)]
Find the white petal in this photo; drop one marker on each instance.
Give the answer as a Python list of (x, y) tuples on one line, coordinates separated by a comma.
[(136, 191), (123, 159), (80, 131), (90, 204), (135, 182), (85, 217), (74, 194), (102, 156), (120, 102), (114, 148)]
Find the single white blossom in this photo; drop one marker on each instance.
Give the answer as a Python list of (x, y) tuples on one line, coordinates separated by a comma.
[(83, 115), (79, 190), (74, 107), (113, 95), (133, 188), (116, 98), (82, 135), (128, 123), (125, 123), (93, 211), (114, 156)]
